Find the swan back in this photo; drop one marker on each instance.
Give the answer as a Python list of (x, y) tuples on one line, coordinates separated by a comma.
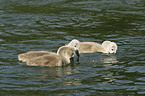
[(32, 54), (89, 47)]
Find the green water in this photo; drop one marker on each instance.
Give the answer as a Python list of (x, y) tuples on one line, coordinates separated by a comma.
[(28, 25)]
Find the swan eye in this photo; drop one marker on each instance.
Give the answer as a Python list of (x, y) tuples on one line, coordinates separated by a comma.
[(75, 46), (112, 49)]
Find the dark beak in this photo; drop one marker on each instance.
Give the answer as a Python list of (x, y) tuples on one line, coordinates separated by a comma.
[(77, 53), (72, 59)]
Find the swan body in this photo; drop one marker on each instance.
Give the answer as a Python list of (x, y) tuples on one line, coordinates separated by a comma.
[(62, 57), (91, 47)]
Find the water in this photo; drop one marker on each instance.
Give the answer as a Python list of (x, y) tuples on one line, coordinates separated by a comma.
[(28, 25)]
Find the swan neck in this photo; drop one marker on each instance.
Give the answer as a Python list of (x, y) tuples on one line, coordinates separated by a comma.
[(64, 56)]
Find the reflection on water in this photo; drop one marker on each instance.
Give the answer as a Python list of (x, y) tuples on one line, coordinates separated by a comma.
[(28, 25), (107, 60), (54, 72)]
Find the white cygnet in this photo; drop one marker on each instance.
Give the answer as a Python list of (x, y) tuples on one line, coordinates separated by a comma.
[(62, 57), (91, 47)]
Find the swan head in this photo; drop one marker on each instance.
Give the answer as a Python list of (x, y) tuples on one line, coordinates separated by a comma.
[(109, 47), (76, 45), (66, 53)]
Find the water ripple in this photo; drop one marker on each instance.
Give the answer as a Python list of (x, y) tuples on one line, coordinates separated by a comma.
[(45, 25)]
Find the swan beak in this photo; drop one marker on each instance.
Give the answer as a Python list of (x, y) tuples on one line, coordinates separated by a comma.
[(77, 53), (72, 59)]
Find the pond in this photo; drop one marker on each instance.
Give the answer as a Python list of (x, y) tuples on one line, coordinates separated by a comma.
[(45, 25)]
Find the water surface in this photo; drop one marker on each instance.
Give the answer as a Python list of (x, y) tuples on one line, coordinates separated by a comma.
[(28, 25)]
